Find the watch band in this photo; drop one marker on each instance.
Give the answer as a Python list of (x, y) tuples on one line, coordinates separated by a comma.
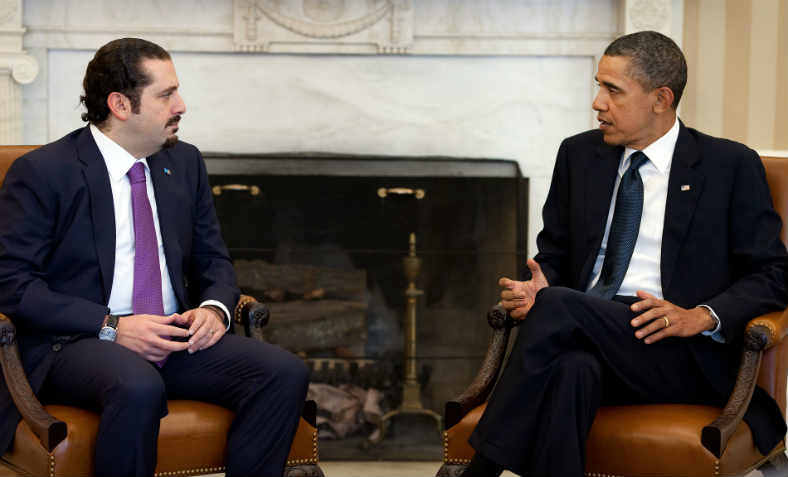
[(112, 321)]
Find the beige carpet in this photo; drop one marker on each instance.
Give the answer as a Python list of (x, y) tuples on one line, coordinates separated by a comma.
[(393, 469), (379, 469), (383, 469)]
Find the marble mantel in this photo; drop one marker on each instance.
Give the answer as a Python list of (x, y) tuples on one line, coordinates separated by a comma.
[(465, 78)]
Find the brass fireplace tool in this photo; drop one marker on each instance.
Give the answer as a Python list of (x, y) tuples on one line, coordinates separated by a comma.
[(411, 391)]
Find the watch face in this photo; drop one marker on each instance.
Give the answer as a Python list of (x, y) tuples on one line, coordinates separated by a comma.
[(108, 333)]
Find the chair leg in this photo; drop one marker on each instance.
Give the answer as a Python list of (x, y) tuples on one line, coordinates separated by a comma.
[(451, 470), (308, 470), (777, 466)]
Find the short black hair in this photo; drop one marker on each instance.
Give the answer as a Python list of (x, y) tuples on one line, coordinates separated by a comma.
[(655, 61), (117, 66)]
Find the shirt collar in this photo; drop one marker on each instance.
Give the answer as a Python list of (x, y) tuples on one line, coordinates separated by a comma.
[(659, 152), (117, 159)]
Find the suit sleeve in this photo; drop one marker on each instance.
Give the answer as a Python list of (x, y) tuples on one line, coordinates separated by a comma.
[(27, 236), (553, 240), (211, 269), (757, 255)]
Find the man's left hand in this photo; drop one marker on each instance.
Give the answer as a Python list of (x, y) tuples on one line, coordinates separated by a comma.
[(661, 318), (206, 327)]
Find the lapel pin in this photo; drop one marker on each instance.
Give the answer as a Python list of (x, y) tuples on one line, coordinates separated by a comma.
[(685, 188), (167, 171)]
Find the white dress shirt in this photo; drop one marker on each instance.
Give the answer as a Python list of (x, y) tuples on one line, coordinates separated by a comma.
[(118, 162), (644, 271)]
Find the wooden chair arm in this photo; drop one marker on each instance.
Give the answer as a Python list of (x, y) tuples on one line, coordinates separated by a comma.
[(774, 324), (48, 429), (761, 333), (481, 387), (498, 318), (250, 313)]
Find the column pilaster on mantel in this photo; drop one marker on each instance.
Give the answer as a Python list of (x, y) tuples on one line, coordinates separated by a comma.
[(16, 68)]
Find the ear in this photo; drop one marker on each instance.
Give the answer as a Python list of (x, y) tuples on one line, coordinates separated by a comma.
[(119, 105), (664, 99)]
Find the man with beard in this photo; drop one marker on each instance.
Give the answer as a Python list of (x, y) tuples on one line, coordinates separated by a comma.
[(110, 249), (659, 244)]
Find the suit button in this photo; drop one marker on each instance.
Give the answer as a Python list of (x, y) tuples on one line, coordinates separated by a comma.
[(57, 347)]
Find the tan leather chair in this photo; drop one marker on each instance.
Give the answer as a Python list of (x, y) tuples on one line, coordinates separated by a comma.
[(658, 440), (60, 440)]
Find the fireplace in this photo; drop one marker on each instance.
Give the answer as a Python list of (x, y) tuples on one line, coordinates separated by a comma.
[(321, 237)]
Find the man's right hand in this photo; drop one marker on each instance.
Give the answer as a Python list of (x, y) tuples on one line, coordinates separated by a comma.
[(518, 297), (150, 335)]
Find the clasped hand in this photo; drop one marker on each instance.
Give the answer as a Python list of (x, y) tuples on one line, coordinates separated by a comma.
[(151, 336)]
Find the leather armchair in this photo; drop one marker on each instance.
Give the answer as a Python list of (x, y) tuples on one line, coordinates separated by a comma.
[(60, 440), (658, 440)]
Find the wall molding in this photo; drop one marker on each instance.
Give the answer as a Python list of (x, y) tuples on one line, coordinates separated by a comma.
[(369, 26), (647, 15), (361, 27), (10, 12), (220, 40), (120, 29)]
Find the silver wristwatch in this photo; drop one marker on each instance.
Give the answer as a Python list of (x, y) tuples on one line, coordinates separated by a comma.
[(109, 332)]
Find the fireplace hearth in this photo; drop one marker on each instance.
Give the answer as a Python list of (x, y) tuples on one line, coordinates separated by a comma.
[(312, 236)]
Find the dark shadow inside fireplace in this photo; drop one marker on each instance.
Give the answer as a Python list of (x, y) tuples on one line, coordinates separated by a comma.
[(312, 236)]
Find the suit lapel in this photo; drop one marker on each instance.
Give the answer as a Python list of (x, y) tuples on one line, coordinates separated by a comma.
[(600, 178), (102, 207), (685, 186), (161, 170)]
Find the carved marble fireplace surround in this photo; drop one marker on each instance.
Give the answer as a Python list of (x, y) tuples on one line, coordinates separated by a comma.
[(468, 78)]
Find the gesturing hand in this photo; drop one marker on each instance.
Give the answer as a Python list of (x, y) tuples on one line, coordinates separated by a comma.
[(518, 297), (662, 318), (206, 327), (150, 335)]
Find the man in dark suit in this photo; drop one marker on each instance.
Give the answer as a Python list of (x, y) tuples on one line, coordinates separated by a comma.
[(114, 271), (659, 244)]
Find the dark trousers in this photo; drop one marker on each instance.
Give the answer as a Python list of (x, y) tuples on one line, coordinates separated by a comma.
[(263, 384), (573, 353)]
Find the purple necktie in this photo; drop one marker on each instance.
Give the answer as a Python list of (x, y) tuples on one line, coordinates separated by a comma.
[(146, 296)]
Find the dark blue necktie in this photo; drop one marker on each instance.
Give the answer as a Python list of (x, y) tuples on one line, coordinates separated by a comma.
[(623, 230)]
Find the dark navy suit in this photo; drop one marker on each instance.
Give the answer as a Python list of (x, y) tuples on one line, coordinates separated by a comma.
[(57, 251), (720, 247)]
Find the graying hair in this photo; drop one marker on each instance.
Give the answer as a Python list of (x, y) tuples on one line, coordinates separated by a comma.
[(655, 61)]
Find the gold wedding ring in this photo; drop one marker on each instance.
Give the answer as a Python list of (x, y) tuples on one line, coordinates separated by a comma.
[(667, 321)]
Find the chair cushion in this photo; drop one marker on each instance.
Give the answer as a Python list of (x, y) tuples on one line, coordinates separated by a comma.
[(662, 440), (456, 449), (192, 440), (653, 440)]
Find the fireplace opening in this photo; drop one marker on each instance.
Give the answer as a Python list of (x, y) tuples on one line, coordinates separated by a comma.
[(321, 239)]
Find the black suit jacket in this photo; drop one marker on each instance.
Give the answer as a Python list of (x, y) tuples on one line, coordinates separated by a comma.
[(720, 244), (57, 246)]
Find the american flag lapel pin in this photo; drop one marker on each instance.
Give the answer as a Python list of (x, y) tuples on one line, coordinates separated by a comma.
[(685, 188), (169, 172)]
